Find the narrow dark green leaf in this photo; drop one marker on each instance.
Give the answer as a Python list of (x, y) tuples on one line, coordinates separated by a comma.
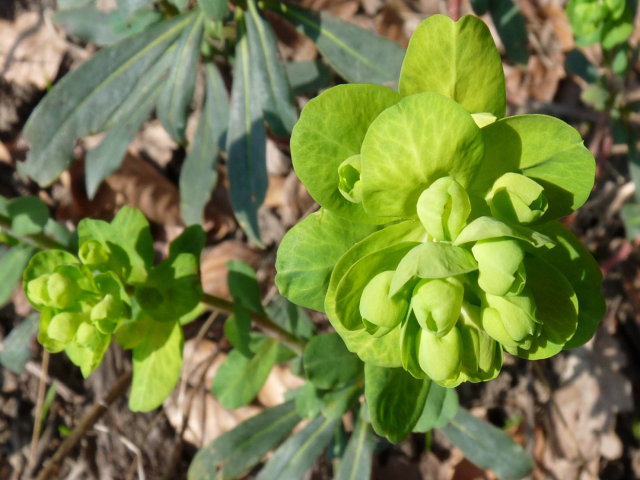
[(273, 85), (215, 10), (243, 286), (631, 219), (290, 317), (16, 349), (307, 77), (106, 158), (358, 55), (578, 64), (246, 146), (239, 379), (395, 399), (510, 24), (328, 363), (84, 101), (488, 447), (299, 452), (29, 215), (198, 176), (12, 264), (178, 91), (241, 448), (439, 408), (88, 23), (356, 462)]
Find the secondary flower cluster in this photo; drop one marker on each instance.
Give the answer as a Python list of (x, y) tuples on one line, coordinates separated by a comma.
[(437, 246)]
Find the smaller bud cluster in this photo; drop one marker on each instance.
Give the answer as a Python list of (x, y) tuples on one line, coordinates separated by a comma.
[(80, 305)]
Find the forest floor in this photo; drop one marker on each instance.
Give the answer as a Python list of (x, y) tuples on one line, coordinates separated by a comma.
[(577, 414)]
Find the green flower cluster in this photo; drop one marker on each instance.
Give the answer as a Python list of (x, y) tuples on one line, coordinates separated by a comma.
[(437, 246), (82, 302), (609, 22)]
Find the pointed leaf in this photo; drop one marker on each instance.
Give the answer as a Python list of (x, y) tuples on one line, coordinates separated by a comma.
[(510, 24), (328, 364), (12, 265), (215, 10), (28, 215), (439, 408), (16, 347), (355, 464), (198, 176)]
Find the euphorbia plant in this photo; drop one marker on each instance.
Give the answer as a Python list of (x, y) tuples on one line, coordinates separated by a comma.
[(437, 246)]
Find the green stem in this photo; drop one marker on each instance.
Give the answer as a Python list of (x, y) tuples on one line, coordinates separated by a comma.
[(262, 321)]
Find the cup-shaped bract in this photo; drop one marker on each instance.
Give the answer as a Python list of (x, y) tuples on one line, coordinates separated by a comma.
[(510, 319), (500, 265), (380, 311), (349, 183), (440, 357), (436, 303), (517, 198), (64, 325), (443, 209)]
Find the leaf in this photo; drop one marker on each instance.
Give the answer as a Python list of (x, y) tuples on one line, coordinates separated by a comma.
[(103, 160), (544, 149), (178, 90), (87, 22), (290, 317), (483, 228), (12, 265), (45, 262), (582, 271), (215, 10), (630, 214), (84, 101), (307, 77), (297, 455), (243, 286), (28, 215), (328, 364), (198, 176), (358, 55), (157, 362), (432, 260), (395, 400), (425, 134), (488, 447), (510, 24), (272, 83), (16, 349), (458, 60), (239, 378), (238, 450), (308, 253), (440, 407), (355, 464), (331, 129), (246, 145), (577, 63)]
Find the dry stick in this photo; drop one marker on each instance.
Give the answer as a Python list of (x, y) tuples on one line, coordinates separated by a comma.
[(42, 382), (90, 418)]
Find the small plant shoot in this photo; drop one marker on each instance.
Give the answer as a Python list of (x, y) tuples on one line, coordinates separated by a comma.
[(438, 246)]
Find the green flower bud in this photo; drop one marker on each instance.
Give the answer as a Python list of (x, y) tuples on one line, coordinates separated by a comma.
[(481, 354), (37, 291), (510, 320), (517, 198), (63, 326), (106, 313), (483, 119), (378, 309), (436, 304), (440, 357), (500, 266), (443, 209), (93, 254), (88, 336), (62, 290), (349, 183)]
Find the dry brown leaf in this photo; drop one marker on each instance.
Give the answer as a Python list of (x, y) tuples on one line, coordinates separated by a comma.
[(5, 156), (213, 265), (154, 142), (279, 381), (30, 50)]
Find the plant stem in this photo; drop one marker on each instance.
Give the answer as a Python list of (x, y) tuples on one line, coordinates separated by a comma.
[(262, 321), (94, 414)]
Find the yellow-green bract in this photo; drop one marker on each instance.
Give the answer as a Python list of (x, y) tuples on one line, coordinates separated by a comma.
[(437, 246)]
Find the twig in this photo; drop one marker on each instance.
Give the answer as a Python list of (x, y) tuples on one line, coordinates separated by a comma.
[(262, 321), (42, 382), (96, 411)]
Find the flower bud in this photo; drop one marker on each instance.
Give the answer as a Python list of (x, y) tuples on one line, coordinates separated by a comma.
[(62, 290), (500, 265), (378, 309), (436, 304), (443, 209), (517, 198), (106, 313), (510, 320), (63, 326), (440, 357), (349, 183), (88, 336), (93, 254), (37, 290), (481, 354)]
